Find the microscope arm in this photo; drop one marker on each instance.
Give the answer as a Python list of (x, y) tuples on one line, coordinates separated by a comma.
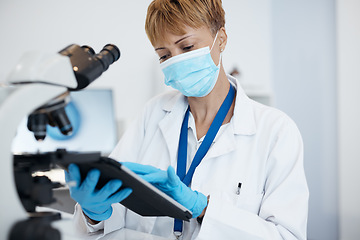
[(20, 101)]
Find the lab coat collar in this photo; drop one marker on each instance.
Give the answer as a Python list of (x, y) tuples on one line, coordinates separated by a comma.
[(170, 125), (242, 122), (243, 119), (170, 106)]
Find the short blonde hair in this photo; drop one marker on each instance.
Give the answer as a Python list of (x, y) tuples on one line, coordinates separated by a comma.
[(173, 15)]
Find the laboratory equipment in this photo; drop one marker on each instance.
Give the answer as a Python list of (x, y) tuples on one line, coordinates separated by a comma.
[(38, 87)]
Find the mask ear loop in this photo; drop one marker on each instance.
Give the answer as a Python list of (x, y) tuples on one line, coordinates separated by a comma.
[(220, 49), (220, 59), (214, 41)]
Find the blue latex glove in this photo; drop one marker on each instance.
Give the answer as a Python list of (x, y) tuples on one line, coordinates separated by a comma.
[(170, 183), (96, 204)]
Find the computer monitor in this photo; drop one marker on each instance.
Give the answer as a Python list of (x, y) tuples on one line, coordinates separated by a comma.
[(91, 112)]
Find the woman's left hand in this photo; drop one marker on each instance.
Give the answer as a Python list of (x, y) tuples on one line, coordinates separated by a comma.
[(170, 183)]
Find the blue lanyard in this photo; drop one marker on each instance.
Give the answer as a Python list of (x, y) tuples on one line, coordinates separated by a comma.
[(204, 147)]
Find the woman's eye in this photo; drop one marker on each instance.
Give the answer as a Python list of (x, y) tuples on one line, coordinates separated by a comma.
[(188, 48), (164, 57)]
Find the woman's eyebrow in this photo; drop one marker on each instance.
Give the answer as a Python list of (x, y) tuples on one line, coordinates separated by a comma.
[(181, 39)]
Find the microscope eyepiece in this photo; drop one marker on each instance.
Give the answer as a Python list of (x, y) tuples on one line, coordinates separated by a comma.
[(88, 65), (109, 54)]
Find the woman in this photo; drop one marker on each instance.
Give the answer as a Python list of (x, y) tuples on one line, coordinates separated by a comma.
[(246, 177)]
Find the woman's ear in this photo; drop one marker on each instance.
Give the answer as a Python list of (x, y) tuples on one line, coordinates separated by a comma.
[(223, 38)]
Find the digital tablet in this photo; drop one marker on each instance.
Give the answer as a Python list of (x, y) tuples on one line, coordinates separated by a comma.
[(145, 200)]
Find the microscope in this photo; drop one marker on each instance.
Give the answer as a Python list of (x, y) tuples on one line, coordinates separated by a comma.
[(39, 87)]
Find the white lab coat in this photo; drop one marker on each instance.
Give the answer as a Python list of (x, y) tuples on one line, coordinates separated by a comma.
[(261, 147)]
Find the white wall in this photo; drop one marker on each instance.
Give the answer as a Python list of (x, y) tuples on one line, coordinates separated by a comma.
[(348, 47), (249, 30), (304, 65)]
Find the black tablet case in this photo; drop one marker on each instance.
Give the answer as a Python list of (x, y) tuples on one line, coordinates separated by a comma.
[(145, 200)]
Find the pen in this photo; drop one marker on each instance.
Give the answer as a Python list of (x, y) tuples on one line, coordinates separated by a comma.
[(238, 188)]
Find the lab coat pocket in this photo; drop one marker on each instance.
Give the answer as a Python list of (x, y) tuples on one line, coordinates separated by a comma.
[(139, 223), (249, 202)]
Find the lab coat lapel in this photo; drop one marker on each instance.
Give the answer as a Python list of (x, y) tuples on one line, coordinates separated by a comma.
[(223, 144), (242, 123), (170, 125)]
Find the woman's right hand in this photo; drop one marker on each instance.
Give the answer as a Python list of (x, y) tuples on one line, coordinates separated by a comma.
[(96, 204)]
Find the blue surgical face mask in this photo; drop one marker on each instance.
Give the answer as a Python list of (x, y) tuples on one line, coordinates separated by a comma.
[(193, 73)]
